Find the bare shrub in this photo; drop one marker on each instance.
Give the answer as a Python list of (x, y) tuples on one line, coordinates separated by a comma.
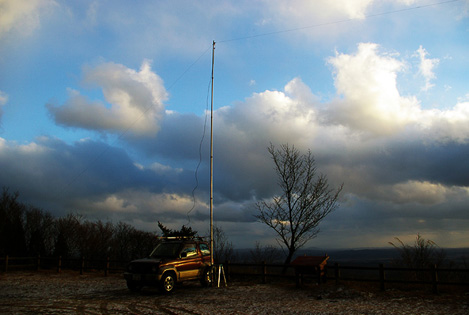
[(423, 254)]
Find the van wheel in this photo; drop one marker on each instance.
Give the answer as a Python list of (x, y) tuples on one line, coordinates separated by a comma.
[(168, 282), (206, 279)]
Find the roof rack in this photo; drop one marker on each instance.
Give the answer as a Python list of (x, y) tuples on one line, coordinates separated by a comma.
[(200, 238)]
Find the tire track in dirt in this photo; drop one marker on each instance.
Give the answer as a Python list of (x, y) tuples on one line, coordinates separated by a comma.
[(168, 309), (135, 308)]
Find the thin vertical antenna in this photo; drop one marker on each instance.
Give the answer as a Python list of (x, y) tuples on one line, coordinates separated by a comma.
[(211, 163)]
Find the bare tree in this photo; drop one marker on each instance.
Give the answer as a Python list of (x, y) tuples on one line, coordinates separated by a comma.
[(95, 238), (305, 200), (39, 232), (67, 241), (12, 218), (223, 249)]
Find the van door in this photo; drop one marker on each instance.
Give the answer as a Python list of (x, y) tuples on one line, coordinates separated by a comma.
[(189, 262)]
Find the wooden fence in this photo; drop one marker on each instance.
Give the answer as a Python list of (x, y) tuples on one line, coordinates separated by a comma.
[(382, 275), (58, 263)]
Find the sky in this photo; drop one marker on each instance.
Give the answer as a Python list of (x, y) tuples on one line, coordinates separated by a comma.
[(105, 112)]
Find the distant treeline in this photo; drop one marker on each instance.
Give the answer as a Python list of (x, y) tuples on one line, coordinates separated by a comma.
[(29, 231)]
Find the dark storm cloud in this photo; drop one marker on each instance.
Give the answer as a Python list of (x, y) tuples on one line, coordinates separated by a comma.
[(242, 167), (178, 140), (444, 163), (53, 173)]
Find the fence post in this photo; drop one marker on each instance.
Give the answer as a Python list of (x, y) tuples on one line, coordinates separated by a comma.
[(434, 279), (82, 265), (382, 277), (319, 271), (336, 273), (264, 272), (6, 263), (227, 270), (38, 262), (59, 264), (106, 268)]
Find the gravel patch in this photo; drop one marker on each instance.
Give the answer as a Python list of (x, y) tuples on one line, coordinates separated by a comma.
[(70, 293)]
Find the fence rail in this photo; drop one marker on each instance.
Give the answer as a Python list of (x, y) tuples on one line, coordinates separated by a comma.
[(82, 264), (383, 275)]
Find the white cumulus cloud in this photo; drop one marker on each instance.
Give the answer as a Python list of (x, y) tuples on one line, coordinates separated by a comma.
[(3, 98), (426, 67), (3, 101), (271, 115), (369, 98), (369, 101), (304, 10), (417, 191), (323, 19), (447, 125), (21, 15), (135, 98)]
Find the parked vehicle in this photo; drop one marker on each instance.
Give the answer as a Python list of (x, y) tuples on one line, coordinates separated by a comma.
[(172, 261)]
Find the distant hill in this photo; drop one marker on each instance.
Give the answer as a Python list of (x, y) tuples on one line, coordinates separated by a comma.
[(366, 256), (361, 256)]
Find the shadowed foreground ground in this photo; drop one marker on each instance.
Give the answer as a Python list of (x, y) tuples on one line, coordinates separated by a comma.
[(69, 293)]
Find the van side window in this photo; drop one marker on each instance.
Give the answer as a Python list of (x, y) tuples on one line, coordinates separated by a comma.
[(204, 249), (189, 250)]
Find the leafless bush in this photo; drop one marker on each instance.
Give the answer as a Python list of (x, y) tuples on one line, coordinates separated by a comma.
[(223, 248), (423, 254), (268, 254)]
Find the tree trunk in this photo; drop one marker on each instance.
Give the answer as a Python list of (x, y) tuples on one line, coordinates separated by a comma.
[(289, 257), (287, 261)]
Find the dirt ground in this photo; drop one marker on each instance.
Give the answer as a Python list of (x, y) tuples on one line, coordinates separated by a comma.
[(70, 293)]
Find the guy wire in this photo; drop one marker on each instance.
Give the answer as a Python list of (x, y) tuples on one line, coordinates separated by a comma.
[(200, 155)]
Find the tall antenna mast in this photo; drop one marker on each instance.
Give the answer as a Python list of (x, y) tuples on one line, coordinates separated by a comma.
[(211, 162)]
